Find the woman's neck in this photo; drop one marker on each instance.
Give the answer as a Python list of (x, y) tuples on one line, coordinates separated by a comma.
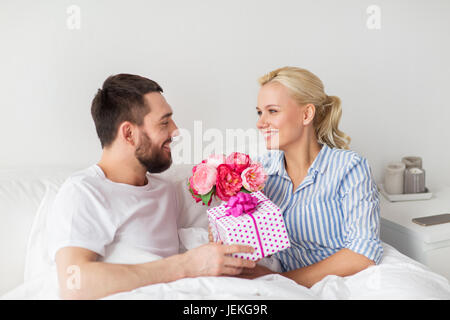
[(300, 156)]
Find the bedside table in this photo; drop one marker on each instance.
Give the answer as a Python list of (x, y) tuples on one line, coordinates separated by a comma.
[(429, 245)]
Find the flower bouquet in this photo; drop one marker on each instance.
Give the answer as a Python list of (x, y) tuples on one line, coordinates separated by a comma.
[(246, 216), (225, 177)]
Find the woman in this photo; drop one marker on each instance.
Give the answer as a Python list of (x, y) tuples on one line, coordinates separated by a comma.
[(327, 194)]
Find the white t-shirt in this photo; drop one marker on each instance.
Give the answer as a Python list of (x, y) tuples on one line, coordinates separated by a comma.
[(93, 212)]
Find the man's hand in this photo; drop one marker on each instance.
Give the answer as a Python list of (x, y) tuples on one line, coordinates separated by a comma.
[(210, 236), (215, 259)]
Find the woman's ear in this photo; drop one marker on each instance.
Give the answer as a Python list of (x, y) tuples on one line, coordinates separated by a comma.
[(308, 113)]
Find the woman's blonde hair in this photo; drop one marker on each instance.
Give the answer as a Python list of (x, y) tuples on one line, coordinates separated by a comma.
[(305, 87)]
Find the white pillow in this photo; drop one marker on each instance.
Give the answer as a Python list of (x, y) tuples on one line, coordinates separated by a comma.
[(21, 193), (193, 214), (192, 237), (37, 260)]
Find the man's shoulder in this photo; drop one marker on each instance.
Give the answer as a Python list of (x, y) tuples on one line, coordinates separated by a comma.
[(81, 181), (161, 181)]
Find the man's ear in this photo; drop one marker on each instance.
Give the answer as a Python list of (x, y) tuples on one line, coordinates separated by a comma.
[(309, 111), (127, 133)]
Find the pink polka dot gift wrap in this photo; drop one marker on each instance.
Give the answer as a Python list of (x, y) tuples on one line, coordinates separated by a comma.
[(264, 229)]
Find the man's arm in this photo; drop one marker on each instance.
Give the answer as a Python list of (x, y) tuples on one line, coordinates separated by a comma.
[(80, 276)]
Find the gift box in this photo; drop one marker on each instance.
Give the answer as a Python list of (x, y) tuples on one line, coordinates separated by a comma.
[(250, 219)]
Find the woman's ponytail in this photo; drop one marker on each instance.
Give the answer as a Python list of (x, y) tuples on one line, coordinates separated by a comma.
[(326, 124)]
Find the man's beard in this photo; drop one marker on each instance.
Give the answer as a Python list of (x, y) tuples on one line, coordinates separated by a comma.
[(153, 158)]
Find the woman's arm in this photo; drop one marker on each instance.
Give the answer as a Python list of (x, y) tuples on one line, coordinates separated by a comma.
[(343, 263)]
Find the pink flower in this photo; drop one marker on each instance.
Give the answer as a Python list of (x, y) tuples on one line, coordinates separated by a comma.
[(238, 161), (215, 160), (254, 177), (195, 167), (203, 179), (194, 192), (228, 182)]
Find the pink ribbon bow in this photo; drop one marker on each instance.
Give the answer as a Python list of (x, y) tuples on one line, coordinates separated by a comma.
[(241, 203)]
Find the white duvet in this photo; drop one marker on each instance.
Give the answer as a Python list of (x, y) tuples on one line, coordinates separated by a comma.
[(396, 277)]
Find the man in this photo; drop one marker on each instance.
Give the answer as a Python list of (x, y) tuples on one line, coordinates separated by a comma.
[(117, 200)]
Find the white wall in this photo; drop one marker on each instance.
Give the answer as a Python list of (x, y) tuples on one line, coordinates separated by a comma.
[(207, 55)]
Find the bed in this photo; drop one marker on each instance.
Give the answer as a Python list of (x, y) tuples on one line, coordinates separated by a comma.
[(26, 195)]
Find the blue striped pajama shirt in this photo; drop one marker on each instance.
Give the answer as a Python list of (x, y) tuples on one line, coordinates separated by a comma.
[(336, 206)]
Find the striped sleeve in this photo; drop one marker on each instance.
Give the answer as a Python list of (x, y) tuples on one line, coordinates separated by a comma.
[(360, 204)]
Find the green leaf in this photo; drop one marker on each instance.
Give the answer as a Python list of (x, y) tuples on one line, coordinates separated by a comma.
[(207, 197), (197, 196), (244, 190)]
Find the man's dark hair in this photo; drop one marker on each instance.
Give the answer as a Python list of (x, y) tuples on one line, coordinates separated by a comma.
[(120, 99)]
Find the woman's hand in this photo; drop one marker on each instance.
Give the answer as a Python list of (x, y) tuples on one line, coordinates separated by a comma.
[(256, 272)]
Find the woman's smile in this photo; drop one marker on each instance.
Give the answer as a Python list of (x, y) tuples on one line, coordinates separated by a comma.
[(269, 134)]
